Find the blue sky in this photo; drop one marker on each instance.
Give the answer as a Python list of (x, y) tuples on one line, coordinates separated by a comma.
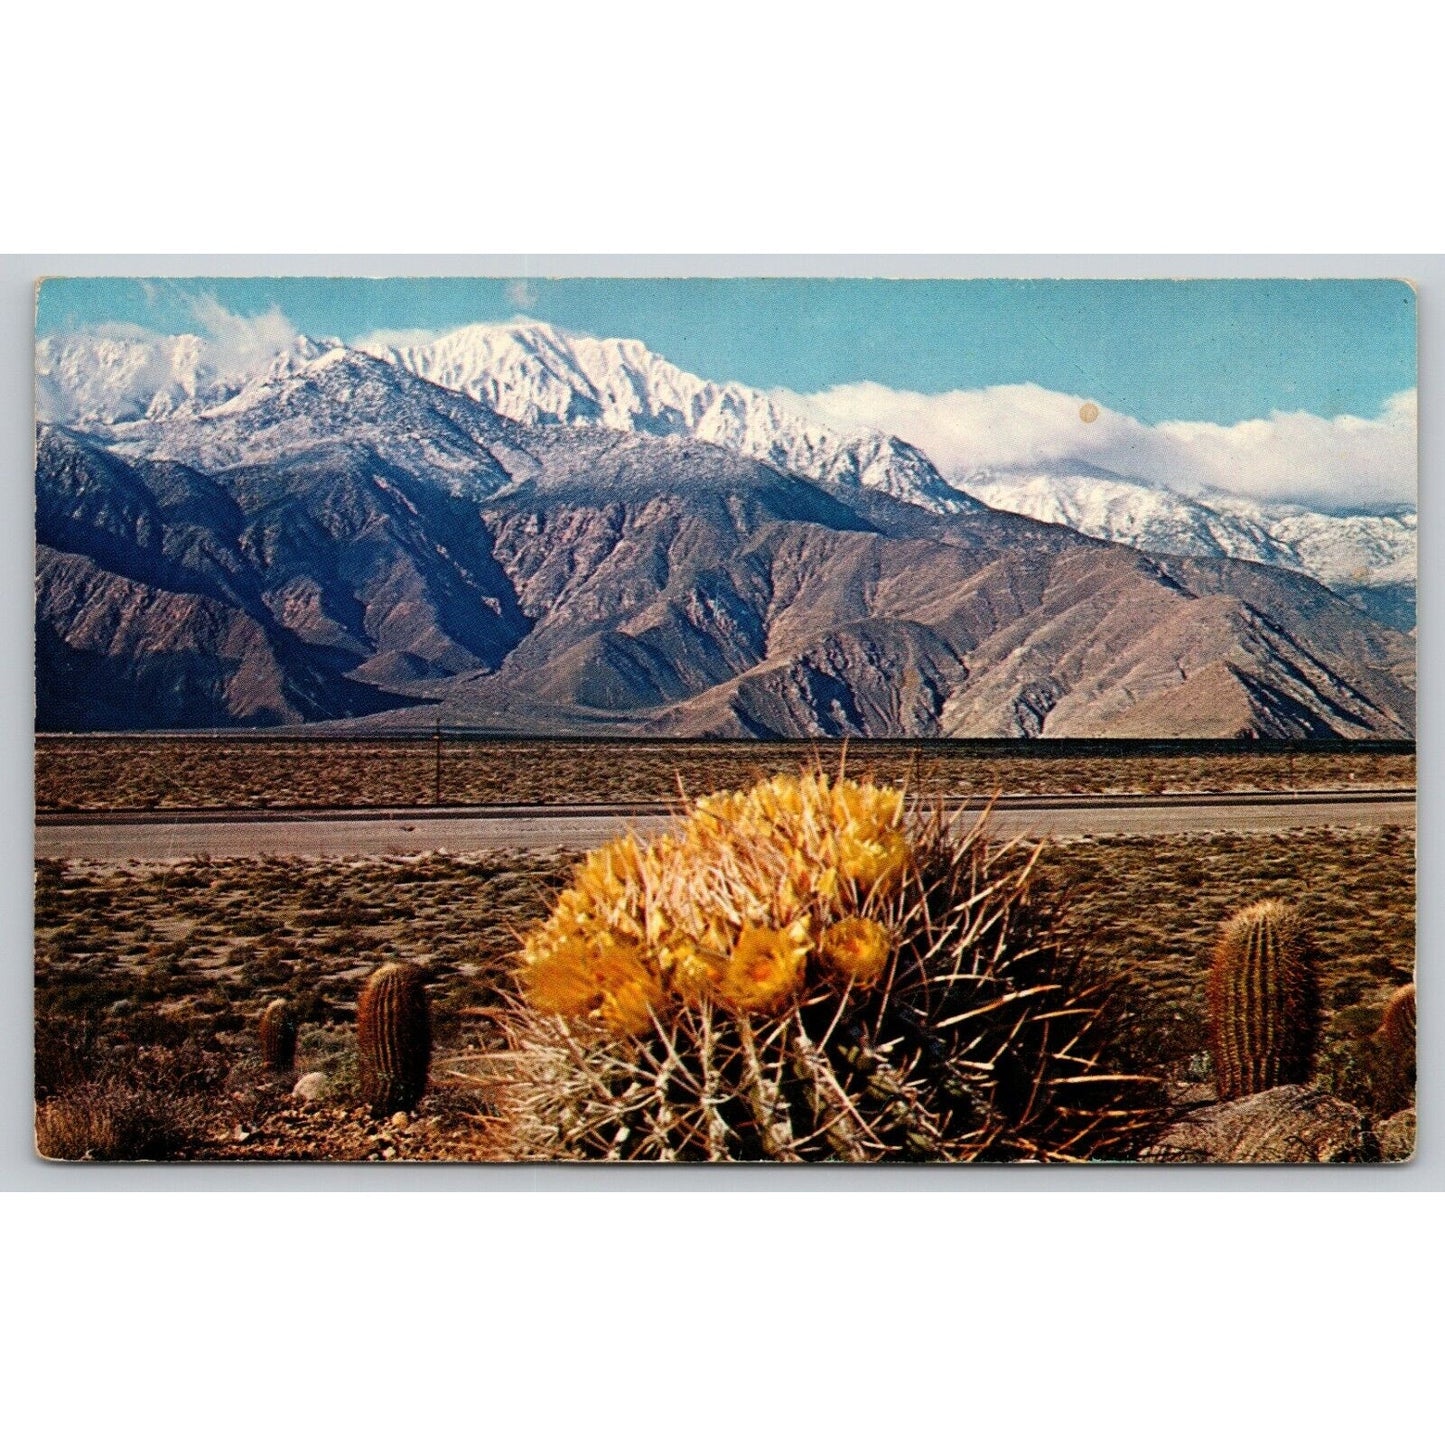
[(1210, 351)]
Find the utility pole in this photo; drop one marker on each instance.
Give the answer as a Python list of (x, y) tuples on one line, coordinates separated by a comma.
[(438, 736)]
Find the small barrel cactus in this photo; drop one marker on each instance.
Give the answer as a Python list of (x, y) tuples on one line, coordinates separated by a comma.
[(1393, 1073), (278, 1037), (802, 972), (1263, 1001), (393, 1039)]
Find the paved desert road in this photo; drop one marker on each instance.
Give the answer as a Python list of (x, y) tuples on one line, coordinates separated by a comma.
[(119, 836)]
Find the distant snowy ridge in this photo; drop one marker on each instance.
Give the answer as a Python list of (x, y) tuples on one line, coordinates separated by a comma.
[(92, 379), (535, 373), (1355, 555)]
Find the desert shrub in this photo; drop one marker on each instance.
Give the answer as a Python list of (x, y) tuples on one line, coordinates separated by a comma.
[(76, 993), (802, 973), (69, 938), (309, 1003), (115, 1121), (1344, 1069), (196, 1065), (161, 980), (332, 1051), (65, 1051), (1170, 1033), (163, 952), (1346, 993), (260, 969), (150, 1027), (117, 1100)]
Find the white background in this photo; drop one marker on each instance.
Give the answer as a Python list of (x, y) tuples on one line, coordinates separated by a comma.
[(1109, 130)]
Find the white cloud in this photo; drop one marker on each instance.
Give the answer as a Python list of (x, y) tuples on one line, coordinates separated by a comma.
[(238, 344), (119, 370), (1343, 461), (521, 294)]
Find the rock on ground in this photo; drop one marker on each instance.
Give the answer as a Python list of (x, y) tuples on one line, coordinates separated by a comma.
[(311, 1087), (1292, 1124), (1397, 1136)]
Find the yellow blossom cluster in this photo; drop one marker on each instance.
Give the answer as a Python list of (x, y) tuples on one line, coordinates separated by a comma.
[(731, 906)]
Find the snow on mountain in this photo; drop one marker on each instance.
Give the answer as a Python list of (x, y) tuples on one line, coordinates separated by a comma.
[(95, 379), (336, 397), (532, 373), (1134, 513), (1370, 559), (126, 386), (1358, 550)]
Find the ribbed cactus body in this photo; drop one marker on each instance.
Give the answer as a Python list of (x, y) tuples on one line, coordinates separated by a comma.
[(1263, 1001), (1394, 1070), (393, 1039), (278, 1037)]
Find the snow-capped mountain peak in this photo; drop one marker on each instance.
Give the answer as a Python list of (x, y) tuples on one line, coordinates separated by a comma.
[(319, 396), (96, 378), (536, 373), (123, 383), (1369, 559)]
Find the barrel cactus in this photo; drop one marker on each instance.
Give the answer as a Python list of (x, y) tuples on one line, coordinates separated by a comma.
[(1263, 996), (278, 1037), (393, 1039), (801, 972), (1393, 1072)]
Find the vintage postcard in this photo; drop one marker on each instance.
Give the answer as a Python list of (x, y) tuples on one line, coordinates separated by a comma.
[(708, 720)]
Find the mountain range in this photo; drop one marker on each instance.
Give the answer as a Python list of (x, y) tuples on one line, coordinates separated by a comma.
[(1369, 559), (536, 373), (540, 532)]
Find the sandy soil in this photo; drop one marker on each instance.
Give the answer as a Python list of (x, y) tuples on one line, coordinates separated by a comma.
[(140, 772), (158, 972)]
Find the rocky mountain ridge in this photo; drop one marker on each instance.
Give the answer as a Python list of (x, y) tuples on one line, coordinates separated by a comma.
[(537, 374), (343, 538)]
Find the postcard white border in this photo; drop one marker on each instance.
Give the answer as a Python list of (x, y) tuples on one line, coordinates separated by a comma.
[(20, 1169)]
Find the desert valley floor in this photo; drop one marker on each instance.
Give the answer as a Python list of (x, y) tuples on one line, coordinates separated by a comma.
[(150, 975)]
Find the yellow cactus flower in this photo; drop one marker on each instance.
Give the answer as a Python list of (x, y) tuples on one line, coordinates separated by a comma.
[(871, 861), (558, 975), (692, 968), (866, 805), (857, 948), (579, 976), (630, 1008), (766, 966), (727, 905)]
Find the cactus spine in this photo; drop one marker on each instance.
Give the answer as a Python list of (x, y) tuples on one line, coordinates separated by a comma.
[(1263, 1001), (278, 1037), (393, 1038), (1394, 1072)]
